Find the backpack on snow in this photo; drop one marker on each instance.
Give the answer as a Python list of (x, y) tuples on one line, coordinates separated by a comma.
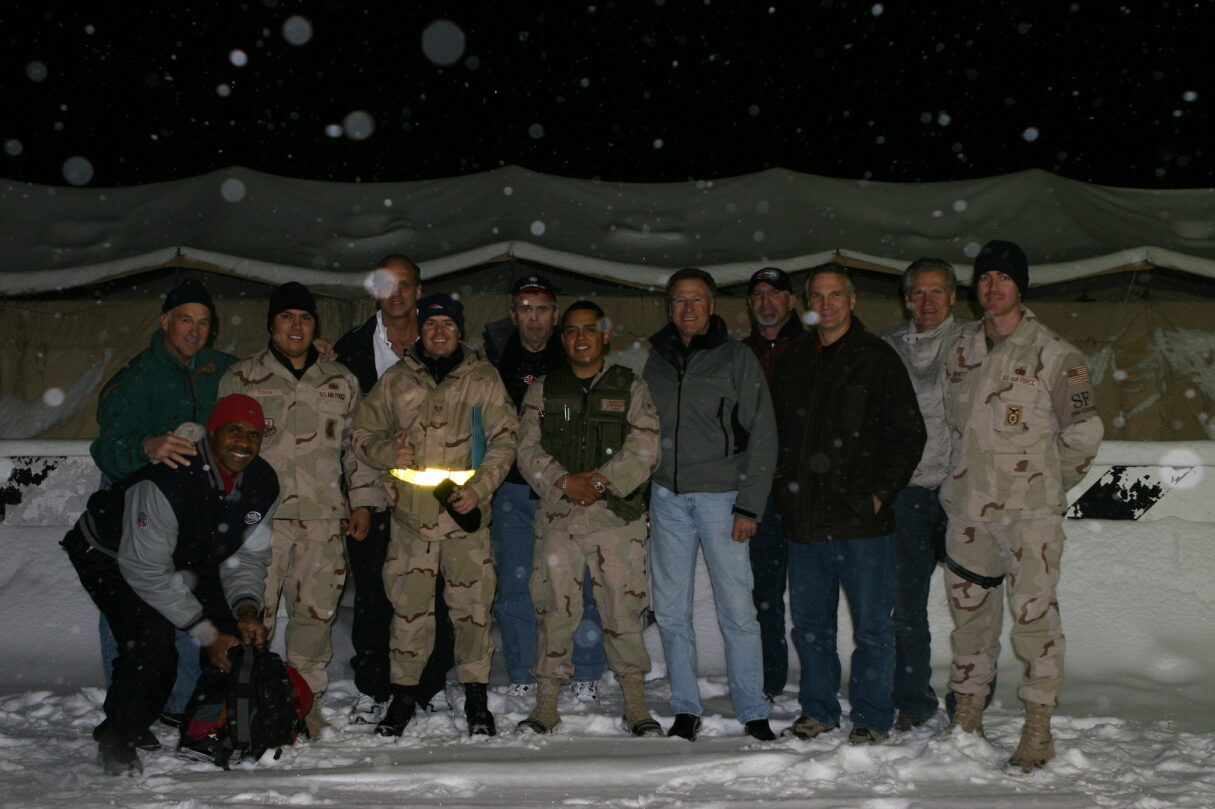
[(263, 709)]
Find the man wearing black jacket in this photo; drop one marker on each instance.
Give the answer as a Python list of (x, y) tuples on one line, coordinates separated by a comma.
[(183, 547), (369, 350), (851, 435), (775, 325)]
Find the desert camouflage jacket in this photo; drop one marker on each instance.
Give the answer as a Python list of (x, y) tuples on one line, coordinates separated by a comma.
[(1023, 423), (438, 418), (307, 435)]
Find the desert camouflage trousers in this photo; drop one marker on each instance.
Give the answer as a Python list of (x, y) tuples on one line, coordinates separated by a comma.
[(307, 572), (410, 571), (616, 558), (1027, 553)]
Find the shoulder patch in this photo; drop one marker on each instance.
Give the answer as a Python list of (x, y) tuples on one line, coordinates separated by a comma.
[(1078, 375), (253, 517)]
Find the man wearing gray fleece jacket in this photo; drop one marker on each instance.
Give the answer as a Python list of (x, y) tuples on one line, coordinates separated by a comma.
[(930, 288), (718, 456)]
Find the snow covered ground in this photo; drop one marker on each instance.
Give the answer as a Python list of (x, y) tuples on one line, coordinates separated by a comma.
[(1136, 728)]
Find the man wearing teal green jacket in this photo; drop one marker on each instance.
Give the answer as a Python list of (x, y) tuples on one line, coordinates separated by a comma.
[(174, 380)]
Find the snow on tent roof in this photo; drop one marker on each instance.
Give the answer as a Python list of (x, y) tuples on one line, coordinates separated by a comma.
[(324, 234)]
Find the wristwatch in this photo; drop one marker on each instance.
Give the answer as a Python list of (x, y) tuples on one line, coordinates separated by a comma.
[(598, 484)]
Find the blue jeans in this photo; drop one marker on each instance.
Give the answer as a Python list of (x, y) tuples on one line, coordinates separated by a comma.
[(918, 521), (679, 524), (187, 665), (865, 568), (513, 539), (770, 568)]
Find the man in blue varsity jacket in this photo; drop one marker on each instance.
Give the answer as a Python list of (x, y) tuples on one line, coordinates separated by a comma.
[(177, 548)]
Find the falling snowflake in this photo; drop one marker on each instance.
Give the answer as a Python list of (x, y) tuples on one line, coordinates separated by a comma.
[(232, 189), (297, 30), (77, 170), (443, 42)]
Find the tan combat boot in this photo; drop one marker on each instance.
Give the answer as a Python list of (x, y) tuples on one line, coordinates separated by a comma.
[(314, 720), (544, 717), (968, 713), (1037, 746), (637, 718)]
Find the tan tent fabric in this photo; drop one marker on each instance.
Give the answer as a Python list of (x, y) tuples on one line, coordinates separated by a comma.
[(1153, 363)]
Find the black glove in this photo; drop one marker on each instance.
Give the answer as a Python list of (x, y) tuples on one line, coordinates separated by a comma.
[(468, 522)]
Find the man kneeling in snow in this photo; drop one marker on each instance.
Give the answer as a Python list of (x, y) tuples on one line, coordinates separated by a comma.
[(185, 548)]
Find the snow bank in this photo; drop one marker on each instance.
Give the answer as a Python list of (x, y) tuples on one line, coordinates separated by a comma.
[(1136, 729)]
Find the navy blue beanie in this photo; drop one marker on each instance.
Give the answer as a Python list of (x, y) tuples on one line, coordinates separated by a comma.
[(440, 303)]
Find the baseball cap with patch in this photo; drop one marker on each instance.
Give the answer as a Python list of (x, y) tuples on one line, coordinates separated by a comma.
[(534, 284), (778, 278)]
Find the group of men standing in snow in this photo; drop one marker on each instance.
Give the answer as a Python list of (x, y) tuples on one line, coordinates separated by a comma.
[(453, 489)]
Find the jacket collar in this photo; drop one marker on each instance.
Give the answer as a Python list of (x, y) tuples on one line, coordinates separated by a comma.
[(912, 336), (667, 338), (855, 328)]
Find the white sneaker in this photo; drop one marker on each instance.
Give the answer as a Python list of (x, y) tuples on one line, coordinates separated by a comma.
[(521, 690), (585, 690), (366, 711)]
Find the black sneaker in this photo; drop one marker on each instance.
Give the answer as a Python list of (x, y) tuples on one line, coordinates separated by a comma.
[(400, 712), (204, 749), (173, 720), (147, 741), (476, 711), (760, 730), (118, 758), (686, 726)]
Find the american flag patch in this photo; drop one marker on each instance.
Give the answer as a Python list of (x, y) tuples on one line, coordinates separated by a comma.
[(141, 519), (1077, 375)]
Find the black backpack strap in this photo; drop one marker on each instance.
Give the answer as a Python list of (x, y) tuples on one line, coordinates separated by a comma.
[(241, 697)]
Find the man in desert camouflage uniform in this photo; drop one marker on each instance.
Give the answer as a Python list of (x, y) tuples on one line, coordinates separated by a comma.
[(588, 443), (1019, 403), (435, 410), (309, 407)]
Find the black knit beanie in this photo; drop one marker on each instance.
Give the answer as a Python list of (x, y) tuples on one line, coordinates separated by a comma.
[(188, 291), (291, 295), (1005, 257)]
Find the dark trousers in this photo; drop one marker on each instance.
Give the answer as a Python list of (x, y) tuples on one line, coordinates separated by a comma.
[(373, 620), (919, 522), (146, 665), (770, 568)]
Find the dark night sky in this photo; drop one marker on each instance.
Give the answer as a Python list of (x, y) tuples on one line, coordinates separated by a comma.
[(1107, 92)]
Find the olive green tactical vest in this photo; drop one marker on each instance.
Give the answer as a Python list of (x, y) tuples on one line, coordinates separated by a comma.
[(582, 430)]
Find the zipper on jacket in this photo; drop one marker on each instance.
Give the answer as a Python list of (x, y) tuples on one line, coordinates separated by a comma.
[(725, 436), (683, 369), (193, 394)]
